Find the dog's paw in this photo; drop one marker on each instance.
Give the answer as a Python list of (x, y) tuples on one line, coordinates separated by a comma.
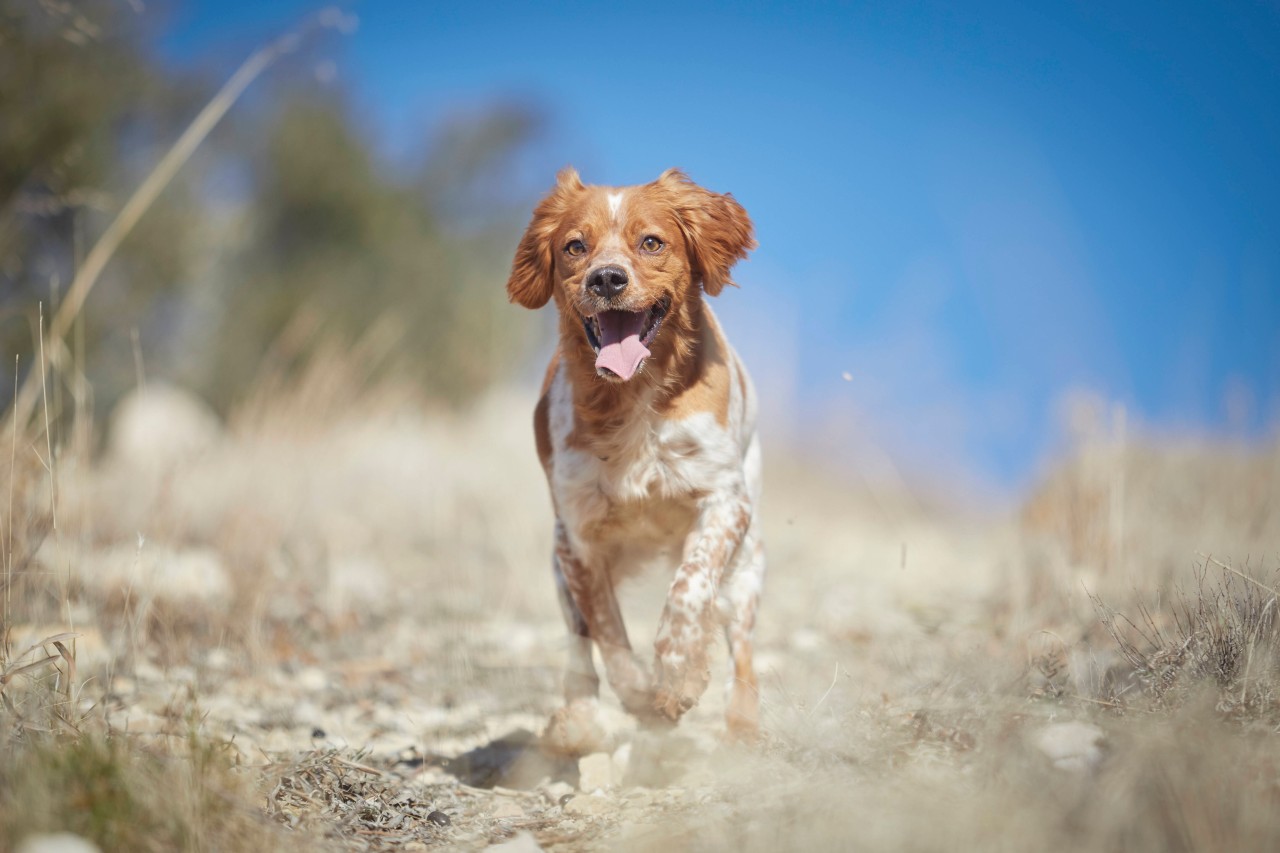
[(631, 683), (576, 730), (637, 703), (679, 687), (742, 731), (671, 706)]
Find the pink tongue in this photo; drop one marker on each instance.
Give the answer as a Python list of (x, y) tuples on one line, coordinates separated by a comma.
[(620, 347)]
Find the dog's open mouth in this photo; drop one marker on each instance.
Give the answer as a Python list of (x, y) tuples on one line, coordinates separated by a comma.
[(621, 339)]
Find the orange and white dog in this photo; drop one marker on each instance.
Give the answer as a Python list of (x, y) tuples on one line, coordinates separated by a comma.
[(646, 432)]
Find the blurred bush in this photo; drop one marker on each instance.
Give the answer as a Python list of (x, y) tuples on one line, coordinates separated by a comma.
[(285, 235), (80, 103)]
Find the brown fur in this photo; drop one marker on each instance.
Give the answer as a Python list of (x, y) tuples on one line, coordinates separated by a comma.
[(705, 385), (541, 428)]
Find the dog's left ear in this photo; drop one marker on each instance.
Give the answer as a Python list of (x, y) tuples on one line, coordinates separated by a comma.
[(716, 227), (532, 272)]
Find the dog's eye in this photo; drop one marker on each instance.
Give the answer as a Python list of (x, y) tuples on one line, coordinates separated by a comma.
[(651, 244), (575, 248)]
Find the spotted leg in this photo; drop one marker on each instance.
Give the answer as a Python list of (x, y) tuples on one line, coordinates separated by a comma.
[(739, 601), (575, 729), (680, 650), (590, 591)]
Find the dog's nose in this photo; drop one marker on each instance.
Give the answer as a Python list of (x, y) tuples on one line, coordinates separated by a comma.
[(607, 281)]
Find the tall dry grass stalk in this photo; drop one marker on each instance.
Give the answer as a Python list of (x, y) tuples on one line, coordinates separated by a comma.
[(8, 551)]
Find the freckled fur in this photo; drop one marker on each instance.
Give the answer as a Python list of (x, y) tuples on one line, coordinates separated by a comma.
[(665, 465)]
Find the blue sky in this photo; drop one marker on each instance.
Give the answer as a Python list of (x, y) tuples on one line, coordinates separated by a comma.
[(972, 210)]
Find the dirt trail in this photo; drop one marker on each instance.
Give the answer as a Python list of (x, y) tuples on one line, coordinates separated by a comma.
[(363, 609), (418, 706)]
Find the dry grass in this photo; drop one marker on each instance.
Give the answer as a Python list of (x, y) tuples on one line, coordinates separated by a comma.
[(122, 796), (293, 624), (1222, 634)]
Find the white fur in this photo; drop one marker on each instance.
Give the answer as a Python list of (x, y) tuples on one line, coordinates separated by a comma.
[(615, 204)]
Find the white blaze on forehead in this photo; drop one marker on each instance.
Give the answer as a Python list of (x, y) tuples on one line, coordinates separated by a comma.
[(615, 204)]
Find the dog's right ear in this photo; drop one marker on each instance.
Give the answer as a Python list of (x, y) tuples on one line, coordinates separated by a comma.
[(718, 230), (531, 279)]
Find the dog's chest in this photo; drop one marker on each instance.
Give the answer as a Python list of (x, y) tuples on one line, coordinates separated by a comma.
[(642, 483), (643, 486)]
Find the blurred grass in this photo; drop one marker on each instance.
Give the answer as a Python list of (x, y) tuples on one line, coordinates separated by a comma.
[(122, 797), (284, 233)]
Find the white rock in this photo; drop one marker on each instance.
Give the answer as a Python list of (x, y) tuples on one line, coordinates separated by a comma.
[(159, 426), (57, 842), (1073, 746), (521, 842), (807, 640), (595, 772), (621, 761), (557, 791), (189, 576), (313, 679), (588, 804)]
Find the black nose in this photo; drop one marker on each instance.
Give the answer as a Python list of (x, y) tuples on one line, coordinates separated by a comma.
[(607, 282)]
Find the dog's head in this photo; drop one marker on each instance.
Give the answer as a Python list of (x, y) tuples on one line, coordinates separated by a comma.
[(621, 261)]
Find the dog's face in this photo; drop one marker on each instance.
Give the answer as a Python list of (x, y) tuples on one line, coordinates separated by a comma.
[(621, 261)]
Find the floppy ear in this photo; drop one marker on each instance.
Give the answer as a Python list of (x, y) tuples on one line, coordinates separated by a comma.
[(716, 227), (531, 280)]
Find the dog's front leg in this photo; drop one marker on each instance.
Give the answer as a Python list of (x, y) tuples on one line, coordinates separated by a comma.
[(681, 669), (591, 589)]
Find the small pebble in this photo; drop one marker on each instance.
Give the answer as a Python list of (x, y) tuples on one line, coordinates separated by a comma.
[(316, 734), (1073, 746), (439, 818), (588, 804), (312, 678), (507, 810), (556, 791), (595, 772), (58, 842), (621, 761)]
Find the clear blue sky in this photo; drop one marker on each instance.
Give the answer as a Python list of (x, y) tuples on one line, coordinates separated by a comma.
[(971, 210)]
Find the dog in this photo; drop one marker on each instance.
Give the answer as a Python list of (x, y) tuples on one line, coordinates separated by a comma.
[(646, 432)]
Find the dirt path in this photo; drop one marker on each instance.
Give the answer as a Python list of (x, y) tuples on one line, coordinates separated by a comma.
[(412, 712), (363, 611)]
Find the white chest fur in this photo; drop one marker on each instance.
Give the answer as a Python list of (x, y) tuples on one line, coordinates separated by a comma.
[(642, 489)]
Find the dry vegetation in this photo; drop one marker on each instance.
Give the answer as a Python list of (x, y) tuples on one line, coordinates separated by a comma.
[(330, 623)]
